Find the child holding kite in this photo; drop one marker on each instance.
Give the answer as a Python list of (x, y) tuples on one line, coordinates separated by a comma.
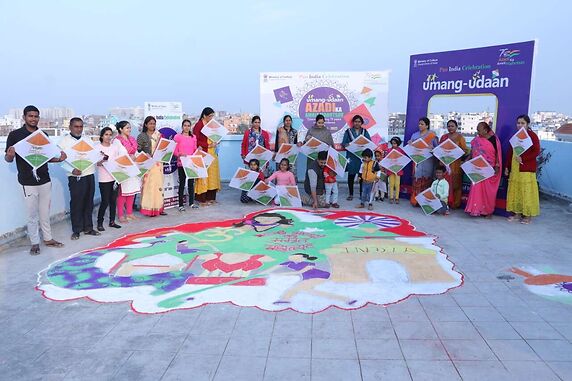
[(253, 165), (395, 178)]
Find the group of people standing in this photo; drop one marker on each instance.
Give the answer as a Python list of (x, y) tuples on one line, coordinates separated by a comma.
[(151, 184), (320, 186), (118, 199), (522, 194), (320, 181), (188, 141)]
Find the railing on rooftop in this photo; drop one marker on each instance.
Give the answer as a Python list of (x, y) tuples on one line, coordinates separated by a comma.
[(555, 180)]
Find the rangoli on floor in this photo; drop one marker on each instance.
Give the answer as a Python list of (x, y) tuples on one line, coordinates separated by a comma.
[(273, 259)]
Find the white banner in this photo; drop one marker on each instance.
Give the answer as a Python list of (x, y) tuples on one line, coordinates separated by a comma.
[(336, 95), (168, 114), (169, 117)]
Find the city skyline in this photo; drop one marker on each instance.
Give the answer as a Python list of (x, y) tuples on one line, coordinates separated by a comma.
[(94, 56), (545, 122)]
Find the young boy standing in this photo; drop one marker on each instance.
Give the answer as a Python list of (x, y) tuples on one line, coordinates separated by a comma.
[(331, 187), (440, 187), (368, 175)]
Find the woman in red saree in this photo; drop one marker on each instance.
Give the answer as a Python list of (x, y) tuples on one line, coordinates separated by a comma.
[(483, 195), (454, 175), (206, 188)]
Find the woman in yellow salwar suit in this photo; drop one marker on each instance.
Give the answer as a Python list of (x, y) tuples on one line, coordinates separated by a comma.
[(152, 195)]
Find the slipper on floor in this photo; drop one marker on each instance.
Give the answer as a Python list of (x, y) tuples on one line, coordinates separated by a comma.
[(53, 243)]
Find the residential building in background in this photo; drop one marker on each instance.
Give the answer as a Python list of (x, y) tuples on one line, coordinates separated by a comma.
[(564, 133), (55, 121), (396, 125)]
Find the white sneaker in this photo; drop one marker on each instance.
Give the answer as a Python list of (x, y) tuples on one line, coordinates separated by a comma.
[(194, 206), (181, 209)]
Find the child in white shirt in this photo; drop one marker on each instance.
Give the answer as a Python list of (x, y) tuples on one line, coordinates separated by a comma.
[(440, 187), (379, 187)]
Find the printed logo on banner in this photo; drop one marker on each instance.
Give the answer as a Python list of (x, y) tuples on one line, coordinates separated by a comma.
[(327, 101), (425, 62), (373, 75), (507, 57), (283, 95)]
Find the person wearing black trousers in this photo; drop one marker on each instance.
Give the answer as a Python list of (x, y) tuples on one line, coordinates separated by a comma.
[(186, 146), (107, 186), (81, 185), (190, 187)]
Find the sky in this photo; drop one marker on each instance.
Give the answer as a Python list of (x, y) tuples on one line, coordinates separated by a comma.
[(94, 55)]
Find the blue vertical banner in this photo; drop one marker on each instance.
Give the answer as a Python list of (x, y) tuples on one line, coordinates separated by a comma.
[(503, 71)]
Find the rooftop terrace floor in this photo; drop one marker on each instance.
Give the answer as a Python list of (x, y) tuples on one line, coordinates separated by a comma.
[(490, 328)]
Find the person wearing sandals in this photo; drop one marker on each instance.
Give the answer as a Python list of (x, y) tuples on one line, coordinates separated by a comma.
[(186, 146), (394, 179), (130, 187), (252, 137), (522, 195), (440, 188), (286, 134), (354, 162), (422, 173), (368, 176), (152, 185), (107, 185), (207, 188), (318, 131), (331, 185), (81, 185), (36, 183), (483, 195), (314, 183)]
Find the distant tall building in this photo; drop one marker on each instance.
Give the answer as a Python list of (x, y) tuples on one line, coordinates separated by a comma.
[(453, 115), (231, 123), (437, 121), (564, 133), (15, 113), (468, 123), (57, 113), (50, 113), (396, 124), (123, 113)]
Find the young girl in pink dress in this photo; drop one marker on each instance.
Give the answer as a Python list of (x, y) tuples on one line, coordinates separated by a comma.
[(283, 176)]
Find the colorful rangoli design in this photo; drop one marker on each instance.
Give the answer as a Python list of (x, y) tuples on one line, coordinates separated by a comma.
[(547, 283), (272, 259)]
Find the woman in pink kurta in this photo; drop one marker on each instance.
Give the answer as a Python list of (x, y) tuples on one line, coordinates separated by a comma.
[(130, 187), (482, 196), (186, 146)]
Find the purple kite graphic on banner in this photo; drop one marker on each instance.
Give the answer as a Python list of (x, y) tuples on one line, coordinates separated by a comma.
[(283, 95)]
